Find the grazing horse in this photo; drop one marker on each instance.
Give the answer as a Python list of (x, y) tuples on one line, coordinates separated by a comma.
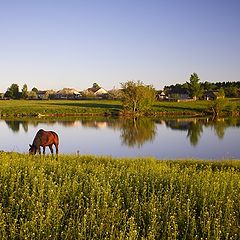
[(44, 139)]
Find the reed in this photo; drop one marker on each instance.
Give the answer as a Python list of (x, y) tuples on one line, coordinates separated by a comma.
[(90, 197)]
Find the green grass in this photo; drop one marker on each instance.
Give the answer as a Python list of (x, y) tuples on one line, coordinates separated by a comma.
[(20, 108), (57, 107), (89, 197)]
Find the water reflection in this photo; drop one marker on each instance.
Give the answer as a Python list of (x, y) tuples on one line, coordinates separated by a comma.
[(136, 132), (194, 126)]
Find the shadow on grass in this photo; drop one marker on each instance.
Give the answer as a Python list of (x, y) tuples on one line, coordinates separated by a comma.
[(87, 105), (178, 108)]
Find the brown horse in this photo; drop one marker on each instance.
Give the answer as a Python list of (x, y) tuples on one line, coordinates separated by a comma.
[(44, 139)]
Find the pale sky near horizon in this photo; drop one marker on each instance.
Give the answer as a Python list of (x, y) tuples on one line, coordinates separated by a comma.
[(51, 44)]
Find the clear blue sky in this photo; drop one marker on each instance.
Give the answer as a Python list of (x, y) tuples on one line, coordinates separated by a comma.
[(51, 44)]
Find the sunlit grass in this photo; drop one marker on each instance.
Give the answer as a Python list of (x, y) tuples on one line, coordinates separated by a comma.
[(89, 197), (57, 107), (20, 108)]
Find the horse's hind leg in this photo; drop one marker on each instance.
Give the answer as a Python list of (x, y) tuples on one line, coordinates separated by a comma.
[(51, 149), (56, 146)]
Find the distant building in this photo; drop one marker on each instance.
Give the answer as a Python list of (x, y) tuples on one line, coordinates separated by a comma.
[(95, 92), (162, 96), (212, 95), (67, 93), (45, 94)]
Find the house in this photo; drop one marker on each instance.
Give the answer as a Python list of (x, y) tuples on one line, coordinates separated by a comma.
[(45, 94), (161, 96), (67, 93), (212, 95), (179, 97), (96, 92), (1, 95)]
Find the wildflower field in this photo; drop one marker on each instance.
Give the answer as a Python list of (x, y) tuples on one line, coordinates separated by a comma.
[(89, 197)]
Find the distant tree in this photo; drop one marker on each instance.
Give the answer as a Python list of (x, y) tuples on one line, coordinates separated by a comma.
[(137, 98), (35, 90), (95, 85), (115, 94), (232, 91), (25, 91), (194, 87), (208, 86), (13, 91), (221, 93)]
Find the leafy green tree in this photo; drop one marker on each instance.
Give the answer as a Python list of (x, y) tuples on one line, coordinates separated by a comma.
[(217, 106), (232, 91), (194, 87), (95, 86), (137, 98), (25, 91), (221, 93), (35, 90), (13, 91)]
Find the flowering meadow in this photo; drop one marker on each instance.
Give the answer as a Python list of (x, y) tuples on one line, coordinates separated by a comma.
[(100, 197)]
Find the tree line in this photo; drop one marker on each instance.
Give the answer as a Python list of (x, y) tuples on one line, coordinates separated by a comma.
[(195, 88), (137, 98), (13, 92)]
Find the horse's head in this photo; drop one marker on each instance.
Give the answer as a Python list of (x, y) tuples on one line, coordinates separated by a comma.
[(32, 150)]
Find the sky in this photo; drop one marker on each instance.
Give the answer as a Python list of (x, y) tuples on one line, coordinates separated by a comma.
[(52, 44)]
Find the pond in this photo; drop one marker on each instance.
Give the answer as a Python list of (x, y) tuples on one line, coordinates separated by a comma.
[(202, 138)]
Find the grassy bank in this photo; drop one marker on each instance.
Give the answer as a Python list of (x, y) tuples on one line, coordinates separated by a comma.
[(20, 108), (88, 197)]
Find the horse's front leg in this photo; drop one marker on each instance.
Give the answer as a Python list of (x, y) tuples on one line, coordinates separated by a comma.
[(43, 150), (39, 150)]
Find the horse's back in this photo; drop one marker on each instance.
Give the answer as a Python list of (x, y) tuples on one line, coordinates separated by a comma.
[(46, 137)]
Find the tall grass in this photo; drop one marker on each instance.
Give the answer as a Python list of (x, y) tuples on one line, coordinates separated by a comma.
[(88, 197)]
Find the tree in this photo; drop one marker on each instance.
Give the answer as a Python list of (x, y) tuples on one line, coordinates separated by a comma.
[(217, 106), (95, 86), (13, 91), (221, 93), (194, 87), (25, 91), (137, 98), (35, 90)]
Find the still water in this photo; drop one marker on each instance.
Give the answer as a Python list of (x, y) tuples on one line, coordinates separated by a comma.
[(164, 139)]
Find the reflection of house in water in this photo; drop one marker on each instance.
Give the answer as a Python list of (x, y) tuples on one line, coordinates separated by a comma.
[(94, 124), (176, 125), (71, 123)]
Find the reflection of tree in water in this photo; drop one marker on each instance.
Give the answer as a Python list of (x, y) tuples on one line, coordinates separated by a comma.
[(134, 132), (194, 132), (220, 126), (14, 125)]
